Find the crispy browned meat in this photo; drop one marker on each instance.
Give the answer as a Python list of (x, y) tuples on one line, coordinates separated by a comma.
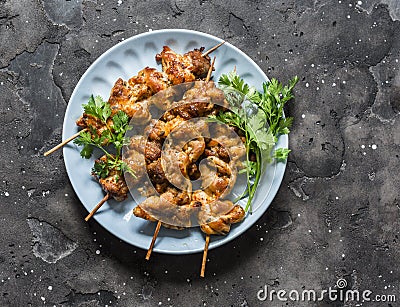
[(130, 98), (156, 130), (183, 68), (114, 184), (214, 221), (135, 160), (205, 91), (154, 80), (138, 143), (165, 209), (86, 121), (164, 100), (139, 212), (153, 150), (155, 172)]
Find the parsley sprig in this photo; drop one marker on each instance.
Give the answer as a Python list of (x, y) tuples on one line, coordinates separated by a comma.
[(112, 134), (259, 115)]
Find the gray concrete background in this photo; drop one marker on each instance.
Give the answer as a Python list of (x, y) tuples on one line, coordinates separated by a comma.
[(336, 214)]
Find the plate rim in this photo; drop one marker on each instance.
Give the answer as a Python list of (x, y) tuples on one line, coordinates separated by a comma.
[(278, 177)]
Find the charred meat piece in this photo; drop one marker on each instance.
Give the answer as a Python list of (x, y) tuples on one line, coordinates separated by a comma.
[(192, 109), (155, 172), (154, 80), (126, 97), (89, 121), (175, 164), (214, 220), (114, 184), (183, 68), (153, 151), (156, 130), (205, 91), (166, 209)]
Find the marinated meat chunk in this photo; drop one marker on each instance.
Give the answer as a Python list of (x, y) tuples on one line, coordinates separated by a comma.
[(114, 184), (183, 68)]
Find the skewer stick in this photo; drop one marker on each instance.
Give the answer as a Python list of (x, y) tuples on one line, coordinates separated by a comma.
[(97, 207), (203, 264), (153, 240), (213, 48), (64, 143), (210, 70)]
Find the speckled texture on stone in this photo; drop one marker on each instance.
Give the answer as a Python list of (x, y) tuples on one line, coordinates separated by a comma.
[(336, 215)]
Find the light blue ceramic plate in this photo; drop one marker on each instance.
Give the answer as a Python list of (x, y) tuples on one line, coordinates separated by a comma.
[(125, 60)]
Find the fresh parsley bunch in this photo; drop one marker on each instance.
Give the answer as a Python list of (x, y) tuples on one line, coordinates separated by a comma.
[(259, 115), (112, 134)]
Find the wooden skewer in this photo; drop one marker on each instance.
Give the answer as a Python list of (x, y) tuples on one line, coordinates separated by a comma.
[(153, 240), (203, 264), (210, 70), (97, 207), (213, 48), (64, 143)]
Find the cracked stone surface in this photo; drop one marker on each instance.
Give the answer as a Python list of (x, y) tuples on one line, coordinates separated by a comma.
[(336, 215), (49, 243)]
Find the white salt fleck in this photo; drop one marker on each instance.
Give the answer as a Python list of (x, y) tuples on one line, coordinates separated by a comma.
[(374, 146), (348, 16), (343, 255), (97, 252), (333, 84), (326, 269), (364, 153), (261, 239), (6, 194), (337, 197), (303, 115), (50, 288), (298, 214), (359, 2), (309, 230), (43, 298), (307, 85), (362, 146), (119, 2)]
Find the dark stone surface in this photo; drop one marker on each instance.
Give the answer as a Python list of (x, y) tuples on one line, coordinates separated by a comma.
[(337, 214)]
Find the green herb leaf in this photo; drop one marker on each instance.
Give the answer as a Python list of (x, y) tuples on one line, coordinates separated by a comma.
[(281, 154), (261, 127), (98, 108)]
